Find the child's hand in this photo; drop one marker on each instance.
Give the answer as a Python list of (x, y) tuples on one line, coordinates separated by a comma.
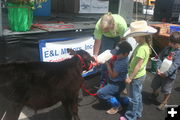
[(107, 63), (128, 80), (95, 57), (96, 62), (160, 73)]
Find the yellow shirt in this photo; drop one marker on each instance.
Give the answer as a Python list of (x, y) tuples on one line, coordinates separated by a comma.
[(143, 52), (121, 27)]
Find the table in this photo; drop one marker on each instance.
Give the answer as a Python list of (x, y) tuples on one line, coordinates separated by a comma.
[(161, 38)]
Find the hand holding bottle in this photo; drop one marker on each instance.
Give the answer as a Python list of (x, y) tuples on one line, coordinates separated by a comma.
[(160, 73)]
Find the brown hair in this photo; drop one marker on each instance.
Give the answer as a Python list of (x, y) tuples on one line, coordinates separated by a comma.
[(148, 39), (175, 37)]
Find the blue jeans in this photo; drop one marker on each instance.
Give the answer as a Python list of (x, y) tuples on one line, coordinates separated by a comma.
[(104, 78), (110, 93), (106, 43), (135, 107)]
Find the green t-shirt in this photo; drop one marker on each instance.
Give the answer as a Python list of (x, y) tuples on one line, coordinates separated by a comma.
[(120, 24), (143, 52)]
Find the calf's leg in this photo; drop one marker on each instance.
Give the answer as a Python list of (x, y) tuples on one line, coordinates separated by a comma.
[(66, 105), (71, 108), (74, 109)]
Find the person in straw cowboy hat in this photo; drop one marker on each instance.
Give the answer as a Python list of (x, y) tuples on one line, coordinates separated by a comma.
[(141, 31)]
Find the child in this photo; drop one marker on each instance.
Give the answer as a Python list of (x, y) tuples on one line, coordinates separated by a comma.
[(117, 74), (166, 80), (137, 67)]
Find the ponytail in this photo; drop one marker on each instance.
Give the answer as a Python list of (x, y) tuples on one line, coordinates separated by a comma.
[(148, 39)]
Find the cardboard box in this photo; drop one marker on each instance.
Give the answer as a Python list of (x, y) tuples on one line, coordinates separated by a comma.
[(162, 28)]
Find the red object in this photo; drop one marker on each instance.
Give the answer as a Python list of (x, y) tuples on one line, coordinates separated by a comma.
[(82, 61), (112, 60), (55, 26), (170, 56), (83, 64), (87, 91)]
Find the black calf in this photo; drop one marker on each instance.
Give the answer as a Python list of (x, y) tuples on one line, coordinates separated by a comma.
[(42, 84)]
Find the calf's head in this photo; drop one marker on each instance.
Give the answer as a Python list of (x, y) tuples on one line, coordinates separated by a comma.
[(85, 58)]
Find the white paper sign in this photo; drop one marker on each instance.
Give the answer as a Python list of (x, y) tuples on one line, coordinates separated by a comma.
[(94, 6), (56, 50)]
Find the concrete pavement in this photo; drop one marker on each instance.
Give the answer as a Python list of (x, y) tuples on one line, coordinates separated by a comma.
[(91, 109)]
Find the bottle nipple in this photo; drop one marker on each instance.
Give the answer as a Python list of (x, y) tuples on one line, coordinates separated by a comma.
[(170, 56)]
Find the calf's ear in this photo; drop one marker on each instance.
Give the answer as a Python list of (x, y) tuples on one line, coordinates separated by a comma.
[(71, 51)]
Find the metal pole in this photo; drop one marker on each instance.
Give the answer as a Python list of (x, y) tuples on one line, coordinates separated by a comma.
[(1, 30), (119, 10), (147, 6), (136, 9)]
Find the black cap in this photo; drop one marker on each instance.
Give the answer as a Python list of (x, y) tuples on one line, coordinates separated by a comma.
[(121, 48)]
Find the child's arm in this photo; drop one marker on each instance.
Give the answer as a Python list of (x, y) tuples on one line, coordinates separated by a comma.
[(136, 69), (164, 53), (175, 65), (112, 74)]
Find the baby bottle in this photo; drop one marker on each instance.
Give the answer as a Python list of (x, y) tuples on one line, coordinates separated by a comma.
[(105, 56), (166, 64)]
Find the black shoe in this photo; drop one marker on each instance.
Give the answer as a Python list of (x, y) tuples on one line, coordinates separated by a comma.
[(153, 97)]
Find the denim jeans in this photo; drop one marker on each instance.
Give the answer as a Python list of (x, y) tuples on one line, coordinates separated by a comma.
[(110, 93), (104, 78), (107, 43), (135, 106)]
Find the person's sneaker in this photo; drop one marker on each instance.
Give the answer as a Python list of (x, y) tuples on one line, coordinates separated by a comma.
[(162, 106), (122, 118), (112, 111)]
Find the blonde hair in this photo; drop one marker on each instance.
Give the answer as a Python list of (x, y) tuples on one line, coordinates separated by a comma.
[(148, 39), (107, 21)]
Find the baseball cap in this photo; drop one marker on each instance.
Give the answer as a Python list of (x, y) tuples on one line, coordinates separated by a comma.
[(121, 48)]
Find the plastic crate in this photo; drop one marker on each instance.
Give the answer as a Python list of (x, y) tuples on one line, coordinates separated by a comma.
[(174, 28)]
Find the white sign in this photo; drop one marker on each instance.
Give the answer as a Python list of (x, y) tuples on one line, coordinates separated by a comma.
[(94, 6), (55, 50)]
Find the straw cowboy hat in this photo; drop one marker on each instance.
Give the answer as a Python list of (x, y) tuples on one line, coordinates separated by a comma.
[(139, 28)]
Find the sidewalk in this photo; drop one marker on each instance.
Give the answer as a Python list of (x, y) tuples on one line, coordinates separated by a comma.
[(96, 111), (91, 109)]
